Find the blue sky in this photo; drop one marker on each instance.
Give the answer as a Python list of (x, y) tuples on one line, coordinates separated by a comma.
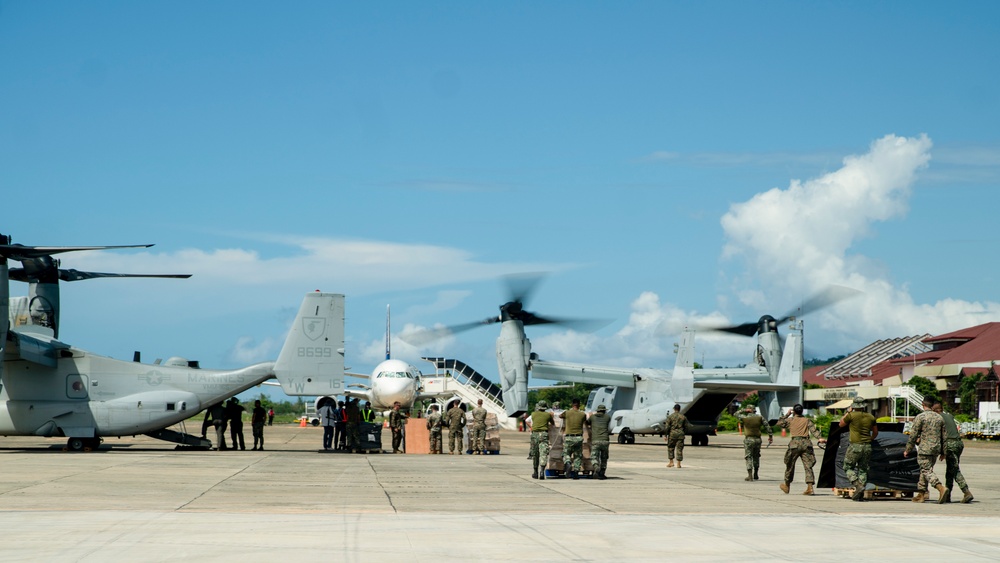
[(668, 163)]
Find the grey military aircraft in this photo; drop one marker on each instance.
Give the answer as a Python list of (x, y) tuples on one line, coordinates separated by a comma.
[(640, 399), (50, 388)]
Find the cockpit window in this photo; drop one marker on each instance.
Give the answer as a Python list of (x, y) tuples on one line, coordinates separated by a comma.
[(396, 374)]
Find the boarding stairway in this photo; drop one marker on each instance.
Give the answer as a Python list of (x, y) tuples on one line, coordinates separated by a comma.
[(911, 395), (459, 378)]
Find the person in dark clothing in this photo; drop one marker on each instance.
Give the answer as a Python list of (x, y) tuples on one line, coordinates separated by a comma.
[(234, 414)]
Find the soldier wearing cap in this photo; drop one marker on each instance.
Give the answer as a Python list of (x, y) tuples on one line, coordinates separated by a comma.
[(600, 440), (800, 427), (753, 423), (541, 420), (928, 435), (676, 425), (456, 425), (573, 439), (859, 452), (952, 455)]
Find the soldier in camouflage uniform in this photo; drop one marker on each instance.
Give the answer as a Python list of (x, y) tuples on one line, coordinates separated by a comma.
[(478, 438), (859, 453), (676, 425), (434, 426), (573, 442), (600, 440), (397, 422), (953, 448), (800, 446), (753, 424), (456, 422), (541, 420), (927, 430)]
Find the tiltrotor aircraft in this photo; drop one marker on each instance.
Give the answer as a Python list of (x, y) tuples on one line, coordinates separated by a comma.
[(514, 357), (50, 388), (639, 400)]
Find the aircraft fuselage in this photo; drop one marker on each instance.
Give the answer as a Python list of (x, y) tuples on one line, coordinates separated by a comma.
[(89, 396)]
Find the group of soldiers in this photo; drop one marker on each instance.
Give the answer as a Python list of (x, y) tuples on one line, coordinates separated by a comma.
[(455, 421), (936, 437), (574, 421), (230, 415), (933, 432), (341, 423)]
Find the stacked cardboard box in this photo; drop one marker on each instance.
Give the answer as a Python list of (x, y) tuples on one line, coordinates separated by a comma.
[(556, 447)]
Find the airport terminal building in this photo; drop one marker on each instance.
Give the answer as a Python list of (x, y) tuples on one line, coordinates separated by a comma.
[(961, 364)]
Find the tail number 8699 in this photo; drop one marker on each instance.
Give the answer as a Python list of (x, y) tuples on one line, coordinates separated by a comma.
[(315, 352)]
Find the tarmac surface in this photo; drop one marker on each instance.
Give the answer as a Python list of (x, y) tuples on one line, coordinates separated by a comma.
[(139, 499)]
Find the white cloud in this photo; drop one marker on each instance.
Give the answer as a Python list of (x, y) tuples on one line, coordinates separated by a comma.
[(801, 238), (354, 267), (796, 242)]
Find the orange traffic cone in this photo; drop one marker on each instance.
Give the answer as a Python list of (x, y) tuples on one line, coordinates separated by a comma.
[(782, 432), (739, 427), (303, 423)]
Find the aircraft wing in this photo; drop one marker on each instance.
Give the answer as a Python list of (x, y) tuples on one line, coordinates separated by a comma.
[(358, 391), (735, 386), (583, 373), (358, 375), (36, 347)]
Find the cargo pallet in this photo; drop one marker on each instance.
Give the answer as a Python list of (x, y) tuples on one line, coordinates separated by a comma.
[(559, 473), (873, 494)]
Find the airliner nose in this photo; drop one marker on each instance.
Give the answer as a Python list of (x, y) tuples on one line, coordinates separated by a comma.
[(402, 390)]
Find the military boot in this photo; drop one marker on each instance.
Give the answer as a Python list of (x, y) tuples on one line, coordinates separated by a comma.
[(601, 475), (942, 493), (809, 489), (671, 464), (784, 488), (756, 476), (749, 475), (947, 497), (919, 496), (678, 465), (534, 474), (967, 497), (859, 493), (541, 475)]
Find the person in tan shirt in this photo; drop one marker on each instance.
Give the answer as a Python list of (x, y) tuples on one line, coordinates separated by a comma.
[(800, 428)]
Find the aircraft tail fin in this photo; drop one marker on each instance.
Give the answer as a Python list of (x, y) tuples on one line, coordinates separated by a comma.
[(312, 359), (682, 379), (773, 403)]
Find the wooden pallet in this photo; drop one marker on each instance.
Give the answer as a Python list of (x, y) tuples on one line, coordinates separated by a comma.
[(876, 493)]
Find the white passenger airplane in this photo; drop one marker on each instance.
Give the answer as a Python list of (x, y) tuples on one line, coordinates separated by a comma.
[(391, 381)]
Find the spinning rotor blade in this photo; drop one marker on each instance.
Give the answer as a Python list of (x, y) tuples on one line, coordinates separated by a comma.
[(745, 329), (19, 251), (825, 298), (520, 287), (77, 275), (421, 337)]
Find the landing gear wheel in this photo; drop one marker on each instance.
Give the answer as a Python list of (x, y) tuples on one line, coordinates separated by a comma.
[(626, 436), (75, 444), (91, 444), (699, 440)]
